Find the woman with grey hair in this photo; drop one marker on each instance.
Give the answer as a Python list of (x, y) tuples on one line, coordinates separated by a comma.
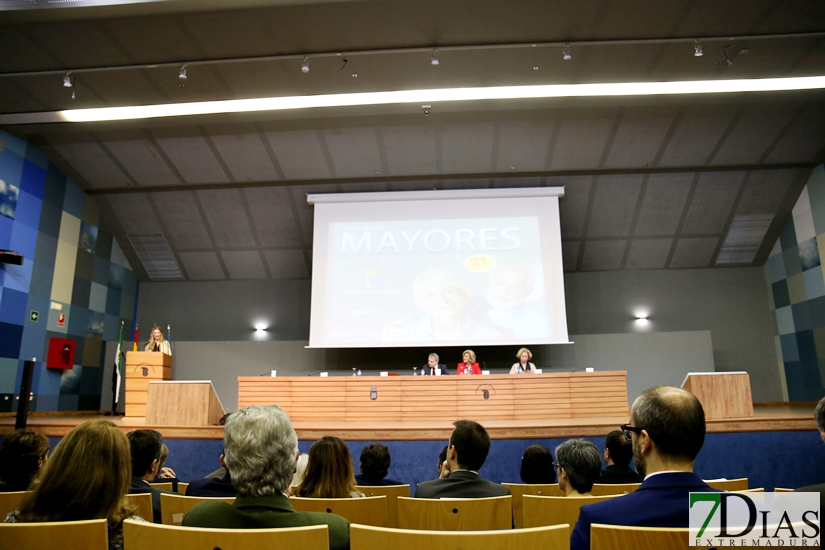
[(579, 464)]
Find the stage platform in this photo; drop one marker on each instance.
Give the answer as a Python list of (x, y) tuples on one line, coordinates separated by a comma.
[(768, 417)]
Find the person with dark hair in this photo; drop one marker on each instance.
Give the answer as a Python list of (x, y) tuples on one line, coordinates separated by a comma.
[(146, 448), (260, 450), (617, 454), (86, 478), (442, 462), (667, 430), (537, 465), (466, 453), (22, 455), (819, 417), (579, 463), (329, 472), (374, 465)]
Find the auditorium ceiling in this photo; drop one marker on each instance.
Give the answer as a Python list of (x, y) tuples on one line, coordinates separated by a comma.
[(654, 182)]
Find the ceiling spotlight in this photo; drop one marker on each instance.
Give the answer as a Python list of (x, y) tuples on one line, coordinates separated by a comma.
[(566, 53), (434, 58), (305, 66), (697, 49), (73, 96), (67, 80), (182, 73)]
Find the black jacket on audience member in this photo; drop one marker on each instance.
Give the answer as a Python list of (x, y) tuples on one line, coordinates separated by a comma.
[(140, 486), (361, 479), (212, 487), (619, 474)]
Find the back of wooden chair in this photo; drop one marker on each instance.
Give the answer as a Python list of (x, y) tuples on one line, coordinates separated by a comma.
[(363, 537), (9, 502), (392, 492), (368, 510), (149, 536), (601, 489), (540, 511), (143, 502), (738, 484), (618, 537), (518, 490), (463, 514), (92, 534), (783, 490), (182, 487), (174, 507), (165, 485), (754, 490)]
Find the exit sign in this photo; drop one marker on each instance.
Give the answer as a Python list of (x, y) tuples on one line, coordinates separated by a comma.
[(35, 316)]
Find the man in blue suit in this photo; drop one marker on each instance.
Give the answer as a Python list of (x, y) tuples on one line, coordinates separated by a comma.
[(667, 430)]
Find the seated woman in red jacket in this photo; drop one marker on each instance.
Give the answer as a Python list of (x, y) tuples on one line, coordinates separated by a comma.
[(469, 365)]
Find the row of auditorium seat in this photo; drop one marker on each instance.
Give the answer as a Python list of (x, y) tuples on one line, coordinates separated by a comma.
[(92, 535)]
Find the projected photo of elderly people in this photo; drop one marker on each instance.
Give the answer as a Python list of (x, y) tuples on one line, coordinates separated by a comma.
[(445, 302), (509, 306)]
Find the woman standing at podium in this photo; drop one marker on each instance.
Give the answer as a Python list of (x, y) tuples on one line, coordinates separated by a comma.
[(157, 342)]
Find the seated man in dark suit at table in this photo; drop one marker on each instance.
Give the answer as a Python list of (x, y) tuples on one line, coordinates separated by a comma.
[(374, 465), (617, 453), (212, 486), (146, 447), (466, 453), (433, 367), (260, 451), (667, 430)]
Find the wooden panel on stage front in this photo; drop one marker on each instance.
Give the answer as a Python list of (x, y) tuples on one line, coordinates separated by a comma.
[(417, 398), (182, 404), (722, 394)]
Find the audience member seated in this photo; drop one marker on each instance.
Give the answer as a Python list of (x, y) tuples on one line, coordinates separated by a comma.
[(166, 474), (667, 430), (374, 465), (617, 454), (466, 453), (442, 462), (22, 455), (146, 447), (819, 417), (329, 472), (579, 463), (300, 470), (537, 465), (260, 450), (211, 486), (86, 477)]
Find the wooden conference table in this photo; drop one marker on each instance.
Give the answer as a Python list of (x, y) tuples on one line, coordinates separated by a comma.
[(416, 398)]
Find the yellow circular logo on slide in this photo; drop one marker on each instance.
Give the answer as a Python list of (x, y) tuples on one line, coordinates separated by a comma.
[(479, 263)]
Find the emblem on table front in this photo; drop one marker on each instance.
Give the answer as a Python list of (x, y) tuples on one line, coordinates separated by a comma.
[(373, 393), (485, 393)]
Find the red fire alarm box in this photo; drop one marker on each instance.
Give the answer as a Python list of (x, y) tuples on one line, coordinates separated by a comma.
[(61, 354)]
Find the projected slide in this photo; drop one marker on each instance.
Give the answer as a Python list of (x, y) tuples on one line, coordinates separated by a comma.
[(415, 281)]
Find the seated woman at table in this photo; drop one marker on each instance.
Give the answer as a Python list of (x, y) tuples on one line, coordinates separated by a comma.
[(329, 472), (524, 366), (157, 342), (469, 365), (86, 477)]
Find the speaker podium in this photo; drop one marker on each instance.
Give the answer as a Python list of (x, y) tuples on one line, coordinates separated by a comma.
[(722, 394), (143, 367)]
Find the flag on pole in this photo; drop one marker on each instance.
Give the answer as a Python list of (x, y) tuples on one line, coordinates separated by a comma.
[(119, 364), (135, 347), (169, 333)]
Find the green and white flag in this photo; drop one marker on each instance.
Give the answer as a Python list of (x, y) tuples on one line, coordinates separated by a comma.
[(118, 374)]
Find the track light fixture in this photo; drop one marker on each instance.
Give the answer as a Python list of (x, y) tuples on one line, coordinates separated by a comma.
[(305, 65), (566, 53), (434, 58), (697, 49), (67, 80), (182, 73)]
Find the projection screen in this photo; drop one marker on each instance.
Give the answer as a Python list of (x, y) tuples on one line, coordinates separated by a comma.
[(454, 268)]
